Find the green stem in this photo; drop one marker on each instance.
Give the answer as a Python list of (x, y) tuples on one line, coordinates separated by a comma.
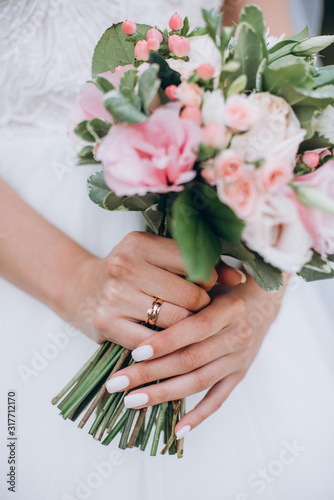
[(148, 429), (116, 429), (158, 428), (127, 428)]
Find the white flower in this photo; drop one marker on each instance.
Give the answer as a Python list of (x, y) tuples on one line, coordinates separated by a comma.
[(277, 233), (213, 108), (276, 132), (324, 123), (271, 41)]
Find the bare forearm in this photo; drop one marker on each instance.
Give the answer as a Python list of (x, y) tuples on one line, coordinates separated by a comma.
[(35, 255), (276, 14)]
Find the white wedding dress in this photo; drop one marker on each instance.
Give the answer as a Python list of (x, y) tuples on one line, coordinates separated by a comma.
[(273, 439)]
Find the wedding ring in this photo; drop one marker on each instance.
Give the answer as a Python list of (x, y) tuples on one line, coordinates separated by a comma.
[(153, 311)]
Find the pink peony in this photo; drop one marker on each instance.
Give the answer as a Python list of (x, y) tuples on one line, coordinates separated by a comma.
[(319, 224), (89, 103), (154, 156), (241, 195), (278, 235), (274, 174), (239, 113)]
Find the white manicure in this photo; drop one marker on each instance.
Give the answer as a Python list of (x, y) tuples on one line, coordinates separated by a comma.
[(142, 353), (243, 276), (183, 431), (134, 400), (117, 384)]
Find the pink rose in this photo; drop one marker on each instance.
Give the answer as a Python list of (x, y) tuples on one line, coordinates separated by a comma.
[(278, 235), (241, 195), (154, 156), (274, 174), (89, 105), (228, 165), (189, 94), (319, 224), (239, 113)]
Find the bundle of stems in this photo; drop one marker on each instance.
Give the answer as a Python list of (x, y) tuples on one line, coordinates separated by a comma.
[(87, 392)]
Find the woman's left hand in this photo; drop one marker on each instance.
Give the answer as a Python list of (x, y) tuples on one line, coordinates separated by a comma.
[(211, 349)]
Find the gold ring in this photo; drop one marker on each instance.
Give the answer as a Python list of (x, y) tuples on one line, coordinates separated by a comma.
[(153, 311)]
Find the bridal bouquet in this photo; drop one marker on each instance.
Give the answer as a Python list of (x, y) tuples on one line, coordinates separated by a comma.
[(222, 138)]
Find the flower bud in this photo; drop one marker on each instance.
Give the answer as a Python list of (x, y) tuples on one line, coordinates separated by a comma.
[(192, 114), (153, 44), (180, 46), (312, 45), (176, 22), (154, 33), (129, 27), (171, 91), (142, 51), (311, 159), (325, 153), (205, 71), (171, 41)]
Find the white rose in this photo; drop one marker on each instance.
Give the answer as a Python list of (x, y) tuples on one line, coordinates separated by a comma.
[(277, 132), (213, 108), (324, 123), (204, 50), (278, 235)]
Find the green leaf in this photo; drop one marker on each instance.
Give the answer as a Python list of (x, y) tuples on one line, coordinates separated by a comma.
[(317, 263), (266, 276), (228, 69), (253, 15), (325, 76), (225, 37), (148, 87), (237, 250), (313, 45), (213, 22), (103, 84), (81, 131), (154, 218), (312, 197), (200, 247), (237, 86), (127, 86), (259, 75), (167, 75), (316, 142), (248, 52), (305, 116), (97, 188), (186, 27), (121, 109), (140, 203), (98, 128), (312, 275), (288, 70), (85, 156), (113, 49)]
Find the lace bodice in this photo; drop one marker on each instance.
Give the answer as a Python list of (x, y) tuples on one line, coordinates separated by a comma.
[(46, 48)]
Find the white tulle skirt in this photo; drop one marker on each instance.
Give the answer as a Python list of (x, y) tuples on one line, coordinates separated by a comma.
[(273, 439)]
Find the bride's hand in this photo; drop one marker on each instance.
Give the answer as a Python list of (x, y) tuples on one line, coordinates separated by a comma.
[(115, 293), (213, 348)]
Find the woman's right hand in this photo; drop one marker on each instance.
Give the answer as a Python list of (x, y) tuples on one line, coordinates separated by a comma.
[(114, 294)]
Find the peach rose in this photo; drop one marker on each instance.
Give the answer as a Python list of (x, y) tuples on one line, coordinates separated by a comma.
[(278, 235), (157, 155), (274, 173), (189, 94), (239, 113), (241, 195), (228, 165)]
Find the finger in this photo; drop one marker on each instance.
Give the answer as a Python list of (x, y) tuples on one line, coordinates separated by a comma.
[(124, 332), (183, 385), (229, 276), (211, 402), (180, 362), (168, 315), (196, 328), (170, 287)]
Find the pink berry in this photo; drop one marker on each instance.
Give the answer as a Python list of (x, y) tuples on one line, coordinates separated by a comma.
[(142, 52), (181, 46), (325, 153), (176, 22), (129, 27), (192, 114), (118, 68), (171, 91), (171, 42), (153, 44), (311, 159), (154, 33), (205, 71)]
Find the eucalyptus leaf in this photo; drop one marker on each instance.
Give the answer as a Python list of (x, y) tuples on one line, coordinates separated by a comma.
[(149, 85), (113, 49), (121, 109), (269, 278)]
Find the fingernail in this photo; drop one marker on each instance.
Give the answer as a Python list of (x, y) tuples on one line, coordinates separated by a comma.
[(142, 353), (183, 431), (134, 400), (243, 276), (117, 384)]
